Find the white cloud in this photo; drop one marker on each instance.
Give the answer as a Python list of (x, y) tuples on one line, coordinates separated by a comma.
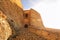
[(49, 10)]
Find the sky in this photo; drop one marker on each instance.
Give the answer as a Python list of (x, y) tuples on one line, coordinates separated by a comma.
[(48, 9)]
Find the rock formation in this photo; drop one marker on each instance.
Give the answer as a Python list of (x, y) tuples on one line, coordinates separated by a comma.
[(5, 29), (22, 24)]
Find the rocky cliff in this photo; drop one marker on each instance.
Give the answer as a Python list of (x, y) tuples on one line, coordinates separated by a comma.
[(19, 24)]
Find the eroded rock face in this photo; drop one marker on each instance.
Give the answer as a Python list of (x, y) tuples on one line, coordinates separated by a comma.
[(22, 25), (5, 30), (26, 34), (13, 11)]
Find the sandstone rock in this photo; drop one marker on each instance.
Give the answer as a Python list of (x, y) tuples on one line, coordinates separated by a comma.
[(18, 2), (34, 32), (5, 29), (19, 24), (13, 11)]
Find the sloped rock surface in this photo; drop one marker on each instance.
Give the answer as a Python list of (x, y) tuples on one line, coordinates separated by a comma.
[(13, 12), (35, 34), (22, 24)]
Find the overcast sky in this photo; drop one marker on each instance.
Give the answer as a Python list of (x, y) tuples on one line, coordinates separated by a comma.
[(49, 10)]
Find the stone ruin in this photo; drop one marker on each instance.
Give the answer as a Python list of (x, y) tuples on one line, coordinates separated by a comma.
[(19, 24)]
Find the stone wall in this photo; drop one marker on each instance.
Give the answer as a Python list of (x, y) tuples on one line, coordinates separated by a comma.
[(35, 19)]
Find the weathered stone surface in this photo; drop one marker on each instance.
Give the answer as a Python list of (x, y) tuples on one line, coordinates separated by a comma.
[(35, 19), (5, 29), (23, 24), (18, 2), (13, 12), (34, 32)]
